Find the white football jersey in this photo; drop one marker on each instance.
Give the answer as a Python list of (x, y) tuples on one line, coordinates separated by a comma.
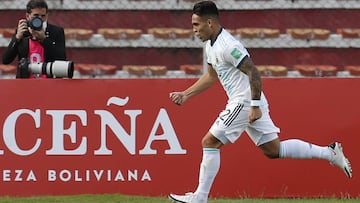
[(224, 55)]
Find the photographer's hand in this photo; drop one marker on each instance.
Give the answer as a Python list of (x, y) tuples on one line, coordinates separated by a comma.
[(38, 35), (21, 29)]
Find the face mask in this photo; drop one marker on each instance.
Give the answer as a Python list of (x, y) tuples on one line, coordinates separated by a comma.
[(44, 25)]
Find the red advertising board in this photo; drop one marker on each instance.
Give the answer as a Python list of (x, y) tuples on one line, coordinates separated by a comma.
[(95, 136)]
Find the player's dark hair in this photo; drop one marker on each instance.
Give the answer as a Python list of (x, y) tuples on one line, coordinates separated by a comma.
[(206, 8), (32, 4)]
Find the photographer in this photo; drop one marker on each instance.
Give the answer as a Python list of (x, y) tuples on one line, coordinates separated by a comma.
[(35, 40)]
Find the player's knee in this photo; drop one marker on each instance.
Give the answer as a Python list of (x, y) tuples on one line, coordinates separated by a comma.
[(210, 142), (205, 142), (271, 149), (271, 154)]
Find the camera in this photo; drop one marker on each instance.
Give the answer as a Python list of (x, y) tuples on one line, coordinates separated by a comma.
[(35, 23), (56, 69)]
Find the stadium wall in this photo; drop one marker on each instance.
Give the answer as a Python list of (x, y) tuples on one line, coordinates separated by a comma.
[(231, 19), (172, 57), (125, 136)]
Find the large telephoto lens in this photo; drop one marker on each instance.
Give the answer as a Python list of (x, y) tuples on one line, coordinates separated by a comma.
[(61, 69), (56, 69)]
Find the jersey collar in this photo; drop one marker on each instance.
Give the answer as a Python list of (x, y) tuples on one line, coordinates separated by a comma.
[(212, 42)]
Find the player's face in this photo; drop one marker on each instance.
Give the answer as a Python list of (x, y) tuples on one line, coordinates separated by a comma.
[(201, 27)]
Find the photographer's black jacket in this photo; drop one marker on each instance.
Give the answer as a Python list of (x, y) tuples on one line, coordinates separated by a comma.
[(54, 48)]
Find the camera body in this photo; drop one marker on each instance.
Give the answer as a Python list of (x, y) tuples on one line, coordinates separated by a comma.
[(35, 23), (56, 69)]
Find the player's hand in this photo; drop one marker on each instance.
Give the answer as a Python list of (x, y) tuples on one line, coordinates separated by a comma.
[(254, 114), (21, 29), (178, 98)]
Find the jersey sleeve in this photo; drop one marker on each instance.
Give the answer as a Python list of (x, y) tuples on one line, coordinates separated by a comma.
[(235, 54)]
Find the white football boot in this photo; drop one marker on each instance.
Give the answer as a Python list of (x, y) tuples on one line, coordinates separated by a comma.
[(187, 198), (339, 159)]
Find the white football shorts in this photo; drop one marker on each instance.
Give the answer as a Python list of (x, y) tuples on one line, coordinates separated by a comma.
[(233, 121)]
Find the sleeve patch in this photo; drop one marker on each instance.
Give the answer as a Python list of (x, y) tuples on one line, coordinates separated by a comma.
[(236, 53)]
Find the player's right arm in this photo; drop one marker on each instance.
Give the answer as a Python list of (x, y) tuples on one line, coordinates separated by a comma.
[(204, 82)]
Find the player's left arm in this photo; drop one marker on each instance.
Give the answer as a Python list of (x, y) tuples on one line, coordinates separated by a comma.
[(239, 58), (248, 67)]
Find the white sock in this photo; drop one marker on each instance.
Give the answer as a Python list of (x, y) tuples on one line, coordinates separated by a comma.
[(209, 167), (299, 149)]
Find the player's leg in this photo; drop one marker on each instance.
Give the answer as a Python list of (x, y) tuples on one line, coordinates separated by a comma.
[(333, 153), (209, 165), (264, 134), (225, 129), (298, 149), (209, 168)]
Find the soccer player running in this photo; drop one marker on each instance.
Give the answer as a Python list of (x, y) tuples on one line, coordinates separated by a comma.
[(246, 108)]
